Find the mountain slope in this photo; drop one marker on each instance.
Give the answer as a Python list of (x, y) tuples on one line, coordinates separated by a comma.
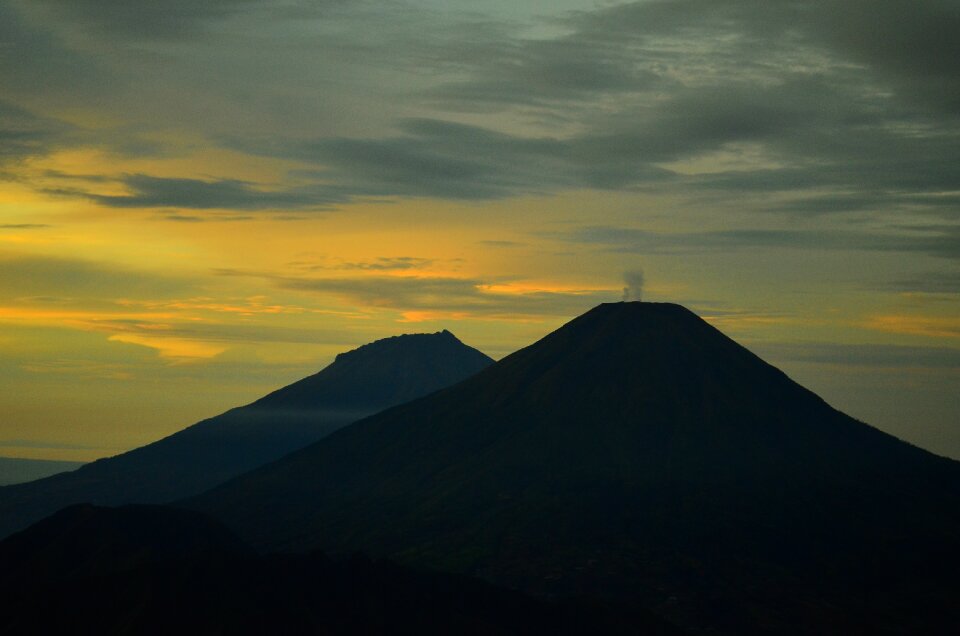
[(639, 454), (358, 383), (14, 470), (158, 570)]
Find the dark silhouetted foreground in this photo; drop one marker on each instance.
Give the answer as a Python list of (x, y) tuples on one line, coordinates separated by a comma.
[(143, 570)]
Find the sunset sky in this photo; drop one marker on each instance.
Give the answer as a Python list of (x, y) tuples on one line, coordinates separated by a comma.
[(201, 201)]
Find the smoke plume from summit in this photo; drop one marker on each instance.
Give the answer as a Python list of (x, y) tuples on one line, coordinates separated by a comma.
[(632, 285)]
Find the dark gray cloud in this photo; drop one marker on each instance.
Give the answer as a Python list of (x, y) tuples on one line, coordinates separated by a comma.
[(907, 42), (499, 243), (35, 61), (826, 137), (145, 18), (23, 134), (23, 226), (850, 107), (207, 218), (436, 158), (432, 158), (907, 39), (857, 97), (159, 192), (897, 185), (384, 263), (938, 241), (914, 43), (928, 283), (381, 264), (537, 73)]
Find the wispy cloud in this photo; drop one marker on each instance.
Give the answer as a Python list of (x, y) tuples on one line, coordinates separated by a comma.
[(928, 283), (942, 241), (864, 355), (145, 19), (914, 325), (36, 443), (83, 368), (24, 134), (178, 350), (226, 194), (444, 295), (24, 275), (379, 264)]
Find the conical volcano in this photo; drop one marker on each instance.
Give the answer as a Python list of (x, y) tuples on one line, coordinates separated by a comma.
[(635, 453), (357, 384)]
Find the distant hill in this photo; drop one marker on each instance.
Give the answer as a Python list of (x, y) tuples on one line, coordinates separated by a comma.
[(154, 570), (638, 454), (358, 383), (14, 470)]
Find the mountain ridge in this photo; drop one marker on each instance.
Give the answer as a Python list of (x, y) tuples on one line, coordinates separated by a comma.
[(18, 470), (384, 373)]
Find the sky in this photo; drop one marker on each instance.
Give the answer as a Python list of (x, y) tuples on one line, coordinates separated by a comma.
[(203, 201)]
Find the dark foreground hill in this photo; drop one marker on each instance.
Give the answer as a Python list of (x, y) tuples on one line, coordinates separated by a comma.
[(358, 383), (639, 454), (143, 570)]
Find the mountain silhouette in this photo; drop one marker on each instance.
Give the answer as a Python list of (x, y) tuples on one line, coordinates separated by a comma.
[(638, 454), (146, 569), (15, 470), (358, 383)]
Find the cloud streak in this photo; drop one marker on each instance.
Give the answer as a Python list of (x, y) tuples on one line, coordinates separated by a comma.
[(143, 18), (23, 134), (31, 276), (866, 355), (465, 297), (940, 241), (226, 194)]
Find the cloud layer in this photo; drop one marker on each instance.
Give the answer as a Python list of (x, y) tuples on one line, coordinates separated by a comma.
[(839, 107)]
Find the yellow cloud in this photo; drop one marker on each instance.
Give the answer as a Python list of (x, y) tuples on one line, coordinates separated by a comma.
[(74, 318), (427, 316), (248, 307), (528, 287), (173, 349), (929, 326)]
